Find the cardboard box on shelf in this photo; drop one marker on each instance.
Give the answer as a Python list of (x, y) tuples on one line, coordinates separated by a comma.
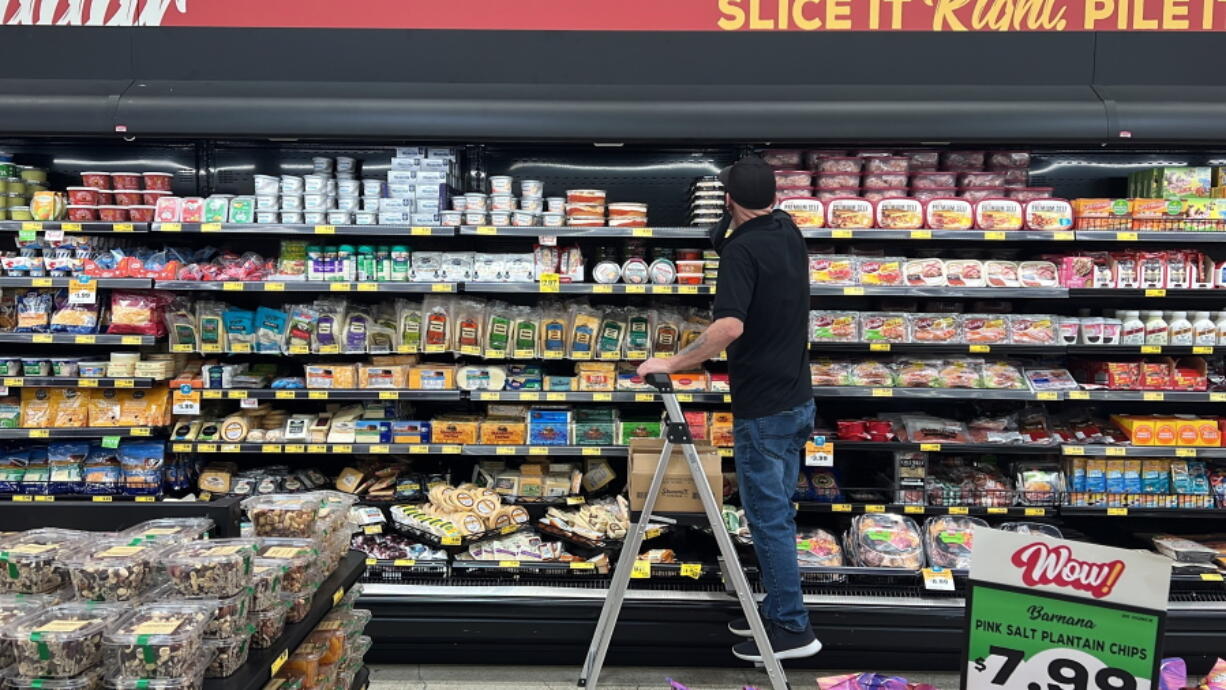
[(678, 493)]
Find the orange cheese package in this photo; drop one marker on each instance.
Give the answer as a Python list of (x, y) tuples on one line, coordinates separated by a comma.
[(138, 313), (104, 407), (71, 407), (382, 377), (459, 430), (143, 407), (37, 407)]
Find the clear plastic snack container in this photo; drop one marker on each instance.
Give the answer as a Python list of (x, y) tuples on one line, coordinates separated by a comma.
[(12, 609), (304, 665), (173, 530), (193, 679), (62, 641), (300, 557), (269, 625), (89, 680), (283, 515), (231, 615), (216, 568), (118, 569), (331, 642), (229, 653), (157, 641), (266, 583), (29, 561), (299, 604)]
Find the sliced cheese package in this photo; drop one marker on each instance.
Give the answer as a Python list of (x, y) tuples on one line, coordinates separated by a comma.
[(584, 327), (437, 323)]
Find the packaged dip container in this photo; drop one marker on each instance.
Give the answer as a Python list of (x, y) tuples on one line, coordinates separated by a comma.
[(83, 196), (531, 188), (523, 219), (998, 214), (551, 219), (60, 642), (501, 184), (35, 366), (1048, 214), (219, 567), (97, 180), (169, 210), (475, 201), (92, 370), (242, 209), (534, 204), (949, 214), (900, 214), (585, 196), (193, 209), (124, 180), (500, 218), (556, 204), (849, 213), (451, 218), (502, 202), (157, 180), (267, 185), (806, 212)]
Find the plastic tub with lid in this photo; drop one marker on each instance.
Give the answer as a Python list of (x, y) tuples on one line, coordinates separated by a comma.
[(169, 530), (219, 567), (117, 569), (282, 515), (157, 641), (62, 641), (29, 561)]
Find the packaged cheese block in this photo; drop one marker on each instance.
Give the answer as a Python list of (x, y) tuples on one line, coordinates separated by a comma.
[(949, 214), (481, 377), (900, 214), (503, 432), (1048, 214), (432, 377), (806, 211), (849, 213), (454, 431), (998, 214), (382, 377)]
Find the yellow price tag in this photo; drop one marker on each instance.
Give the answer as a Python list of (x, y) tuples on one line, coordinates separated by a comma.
[(641, 570), (1047, 395), (170, 227), (372, 529), (286, 395), (555, 397), (70, 227), (85, 339), (42, 338), (206, 447), (1116, 452), (530, 396), (842, 234), (141, 431), (550, 282), (442, 287), (641, 232), (44, 499), (340, 287), (504, 450), (295, 448), (687, 289), (122, 227), (181, 447), (980, 349), (271, 448), (882, 392), (993, 235), (921, 234), (146, 499), (40, 433), (240, 348), (853, 291), (23, 499), (662, 290), (404, 562), (930, 447), (371, 562), (727, 397), (582, 565), (959, 510), (1126, 236), (389, 395), (998, 511), (685, 397), (1153, 396), (693, 570), (31, 226), (1217, 397), (874, 508), (636, 289), (879, 347), (508, 564), (230, 448), (636, 355), (1155, 293), (1063, 236), (210, 227), (538, 450), (102, 499), (602, 397), (450, 540), (211, 394), (325, 229), (1202, 350), (132, 340), (344, 449), (1118, 512), (451, 450), (279, 662), (379, 450), (1077, 395), (913, 510), (602, 289), (41, 282), (368, 287), (590, 451), (317, 448), (1035, 512), (1151, 349), (180, 348), (14, 382), (840, 508), (486, 230), (1211, 577), (419, 230), (299, 349), (1185, 452), (211, 347), (274, 286), (236, 394)]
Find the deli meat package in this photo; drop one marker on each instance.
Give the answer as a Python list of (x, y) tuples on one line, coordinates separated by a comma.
[(884, 540), (948, 540), (818, 548)]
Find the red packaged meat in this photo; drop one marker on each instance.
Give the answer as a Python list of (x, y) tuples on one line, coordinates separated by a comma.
[(881, 271), (1038, 274), (936, 328), (924, 273), (793, 178), (884, 327), (985, 329), (1029, 329), (1009, 160), (917, 373), (934, 180), (922, 161), (827, 195), (790, 193), (840, 164), (998, 214), (963, 161), (1016, 178), (949, 214), (949, 539), (783, 158), (964, 273), (1001, 274), (922, 429), (926, 195), (876, 195), (839, 180), (887, 164), (818, 548), (884, 540), (870, 373), (981, 179), (814, 157), (1029, 193), (977, 194), (884, 180)]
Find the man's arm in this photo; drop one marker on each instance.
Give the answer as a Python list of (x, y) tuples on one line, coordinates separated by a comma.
[(714, 340)]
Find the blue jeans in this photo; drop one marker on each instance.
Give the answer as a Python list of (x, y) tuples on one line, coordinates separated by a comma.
[(768, 451)]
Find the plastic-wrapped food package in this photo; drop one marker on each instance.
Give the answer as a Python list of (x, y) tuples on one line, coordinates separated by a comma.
[(936, 328), (112, 569), (437, 323), (849, 213), (1182, 550), (832, 269), (925, 273), (137, 313), (949, 540), (884, 327), (783, 158), (949, 214), (1039, 485), (33, 311), (1032, 329), (978, 194), (1003, 376), (981, 179), (885, 180), (881, 271), (806, 212), (833, 326), (998, 214), (840, 164), (839, 180), (964, 273), (29, 560), (828, 372), (922, 161), (871, 373), (963, 161), (922, 429), (793, 178), (62, 641), (1038, 274), (1002, 274), (934, 180), (917, 373), (885, 541), (877, 195), (1009, 160), (1051, 380), (827, 195), (887, 164), (1048, 214), (928, 194), (960, 372), (1029, 193), (1034, 528), (900, 214), (819, 548)]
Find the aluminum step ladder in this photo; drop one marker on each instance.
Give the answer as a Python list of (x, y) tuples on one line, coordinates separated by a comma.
[(678, 434)]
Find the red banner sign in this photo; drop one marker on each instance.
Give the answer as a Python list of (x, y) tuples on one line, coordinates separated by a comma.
[(634, 15)]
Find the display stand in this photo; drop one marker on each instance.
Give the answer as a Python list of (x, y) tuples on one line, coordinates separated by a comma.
[(115, 513)]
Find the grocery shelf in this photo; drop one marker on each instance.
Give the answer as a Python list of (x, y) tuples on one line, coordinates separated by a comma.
[(303, 229), (610, 451), (935, 348), (902, 509), (1143, 294), (970, 448), (314, 448), (1110, 350), (933, 393), (1145, 396), (961, 235), (620, 397), (80, 432), (346, 394), (69, 339), (262, 664), (1100, 511), (697, 233), (1144, 451), (28, 282), (113, 512), (592, 289), (1150, 236), (88, 227), (74, 382), (302, 286), (940, 292)]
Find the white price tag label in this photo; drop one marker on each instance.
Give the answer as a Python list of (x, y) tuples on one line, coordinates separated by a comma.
[(548, 240), (819, 452), (938, 579), (54, 235), (82, 290), (249, 403)]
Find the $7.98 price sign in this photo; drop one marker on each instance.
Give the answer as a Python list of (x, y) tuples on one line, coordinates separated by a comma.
[(1028, 641)]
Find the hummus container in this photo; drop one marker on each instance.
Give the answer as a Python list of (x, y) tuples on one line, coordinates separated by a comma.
[(998, 214), (314, 184), (267, 202), (534, 188), (501, 184), (828, 195), (875, 195), (476, 202), (345, 165), (977, 194), (141, 213), (839, 164), (310, 202), (83, 196), (949, 214), (242, 209), (350, 187), (451, 219), (193, 209), (372, 188), (887, 164), (20, 213), (341, 217), (79, 214), (92, 370), (475, 218), (314, 217), (294, 202), (125, 180), (900, 214), (806, 212), (35, 366), (217, 209), (266, 185), (934, 180), (501, 202), (555, 204), (928, 194), (552, 219), (837, 180), (366, 218), (459, 203), (1044, 214), (127, 197), (535, 204), (849, 213), (1029, 193), (32, 174), (793, 178), (157, 180), (585, 196), (689, 278), (97, 180), (267, 217), (292, 184), (500, 218), (114, 214), (65, 366), (884, 180), (523, 219)]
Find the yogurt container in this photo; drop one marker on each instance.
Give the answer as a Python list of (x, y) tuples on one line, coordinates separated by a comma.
[(310, 202), (35, 366), (348, 187), (553, 219), (242, 209), (534, 188), (267, 202), (366, 218), (158, 180), (150, 196), (372, 188), (112, 214), (535, 204), (459, 203), (341, 217), (267, 185), (10, 366), (314, 184), (556, 204), (500, 218), (266, 217), (141, 213), (523, 219), (292, 202), (501, 202), (97, 180), (451, 218), (65, 366), (345, 164), (91, 370), (476, 202), (83, 196), (606, 272), (292, 184), (322, 164), (474, 218), (78, 213), (314, 217), (501, 184), (125, 180)]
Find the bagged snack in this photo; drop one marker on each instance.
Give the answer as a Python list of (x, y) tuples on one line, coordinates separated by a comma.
[(884, 541), (949, 539), (138, 313)]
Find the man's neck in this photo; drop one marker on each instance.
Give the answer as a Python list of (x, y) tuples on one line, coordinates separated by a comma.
[(742, 216)]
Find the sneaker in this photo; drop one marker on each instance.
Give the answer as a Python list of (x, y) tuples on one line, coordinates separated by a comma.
[(785, 643), (740, 628)]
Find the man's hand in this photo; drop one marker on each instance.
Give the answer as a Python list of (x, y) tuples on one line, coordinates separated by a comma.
[(655, 365)]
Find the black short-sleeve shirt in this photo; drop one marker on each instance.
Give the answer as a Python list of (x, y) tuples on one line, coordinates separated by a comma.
[(764, 282)]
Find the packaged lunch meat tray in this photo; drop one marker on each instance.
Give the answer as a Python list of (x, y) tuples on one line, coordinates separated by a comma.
[(949, 214), (948, 540), (818, 548), (849, 213), (885, 541), (806, 211), (900, 214), (998, 214)]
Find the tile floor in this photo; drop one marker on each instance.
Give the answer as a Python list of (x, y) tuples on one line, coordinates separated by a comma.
[(450, 677)]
